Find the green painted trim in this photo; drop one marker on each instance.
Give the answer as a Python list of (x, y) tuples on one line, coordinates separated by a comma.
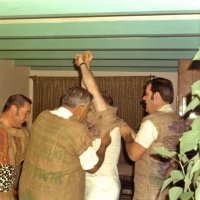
[(114, 43), (100, 29), (59, 8), (132, 54), (107, 69), (149, 43), (197, 55), (100, 63)]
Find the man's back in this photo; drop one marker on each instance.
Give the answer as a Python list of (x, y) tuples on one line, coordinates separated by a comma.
[(52, 167)]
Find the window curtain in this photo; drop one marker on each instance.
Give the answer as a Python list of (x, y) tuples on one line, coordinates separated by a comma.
[(126, 91)]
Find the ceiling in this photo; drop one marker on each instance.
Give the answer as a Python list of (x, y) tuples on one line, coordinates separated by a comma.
[(128, 35)]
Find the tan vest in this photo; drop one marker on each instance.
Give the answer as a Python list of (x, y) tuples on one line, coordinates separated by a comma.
[(102, 122), (151, 170), (52, 169)]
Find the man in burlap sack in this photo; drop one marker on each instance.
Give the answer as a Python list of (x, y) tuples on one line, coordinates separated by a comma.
[(60, 152), (102, 119), (162, 127), (13, 143)]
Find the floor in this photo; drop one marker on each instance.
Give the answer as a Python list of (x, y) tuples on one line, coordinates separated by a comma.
[(125, 197), (126, 187)]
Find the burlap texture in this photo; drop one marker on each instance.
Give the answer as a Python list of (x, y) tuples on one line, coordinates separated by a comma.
[(52, 169), (151, 170), (101, 123)]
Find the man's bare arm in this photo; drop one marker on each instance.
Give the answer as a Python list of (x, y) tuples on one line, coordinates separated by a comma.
[(135, 150), (89, 81), (105, 142)]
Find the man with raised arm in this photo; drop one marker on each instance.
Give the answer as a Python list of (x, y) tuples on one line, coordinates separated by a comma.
[(102, 120)]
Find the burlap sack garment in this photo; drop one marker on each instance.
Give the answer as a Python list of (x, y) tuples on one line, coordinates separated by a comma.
[(101, 123), (52, 169), (151, 170)]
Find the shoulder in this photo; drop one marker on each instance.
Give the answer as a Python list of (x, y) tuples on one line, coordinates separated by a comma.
[(150, 118), (72, 126), (24, 132), (44, 113), (161, 114), (21, 132)]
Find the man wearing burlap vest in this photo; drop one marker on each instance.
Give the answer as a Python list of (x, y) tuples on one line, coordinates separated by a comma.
[(13, 143), (163, 127), (60, 151)]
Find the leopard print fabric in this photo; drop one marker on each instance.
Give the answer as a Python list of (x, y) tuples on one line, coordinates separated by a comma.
[(7, 177)]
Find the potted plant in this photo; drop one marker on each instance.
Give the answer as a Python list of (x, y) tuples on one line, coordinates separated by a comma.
[(188, 172)]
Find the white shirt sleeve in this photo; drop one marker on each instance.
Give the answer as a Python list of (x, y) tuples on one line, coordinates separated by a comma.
[(147, 134), (88, 159)]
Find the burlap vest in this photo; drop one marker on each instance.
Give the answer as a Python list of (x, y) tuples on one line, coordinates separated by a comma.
[(102, 122), (52, 169), (151, 170)]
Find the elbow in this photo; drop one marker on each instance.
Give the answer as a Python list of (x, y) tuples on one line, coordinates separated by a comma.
[(133, 157), (135, 151), (93, 170), (132, 153)]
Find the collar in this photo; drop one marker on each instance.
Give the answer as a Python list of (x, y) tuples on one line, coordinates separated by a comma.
[(62, 112), (166, 108)]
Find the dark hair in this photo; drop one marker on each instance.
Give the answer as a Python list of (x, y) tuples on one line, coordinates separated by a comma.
[(17, 99), (76, 96), (164, 87), (107, 98)]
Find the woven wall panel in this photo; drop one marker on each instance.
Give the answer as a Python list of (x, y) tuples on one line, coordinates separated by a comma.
[(127, 93)]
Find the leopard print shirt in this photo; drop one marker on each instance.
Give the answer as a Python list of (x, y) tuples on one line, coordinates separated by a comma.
[(7, 177)]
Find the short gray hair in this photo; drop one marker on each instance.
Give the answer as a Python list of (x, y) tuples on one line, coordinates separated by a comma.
[(76, 96)]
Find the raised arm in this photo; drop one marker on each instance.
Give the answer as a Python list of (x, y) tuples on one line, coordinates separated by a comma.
[(83, 61)]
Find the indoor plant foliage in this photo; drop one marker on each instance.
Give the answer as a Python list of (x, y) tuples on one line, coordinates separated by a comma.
[(185, 180)]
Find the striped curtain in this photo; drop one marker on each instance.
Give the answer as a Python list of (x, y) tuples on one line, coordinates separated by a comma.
[(126, 91)]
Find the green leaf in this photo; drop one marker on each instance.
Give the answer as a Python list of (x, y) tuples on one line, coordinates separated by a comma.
[(189, 141), (175, 192), (196, 167), (190, 166), (186, 195), (196, 88), (197, 193), (191, 169), (164, 152), (183, 158), (192, 161), (193, 104), (176, 176), (166, 183), (195, 96), (196, 179), (196, 124), (187, 181)]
